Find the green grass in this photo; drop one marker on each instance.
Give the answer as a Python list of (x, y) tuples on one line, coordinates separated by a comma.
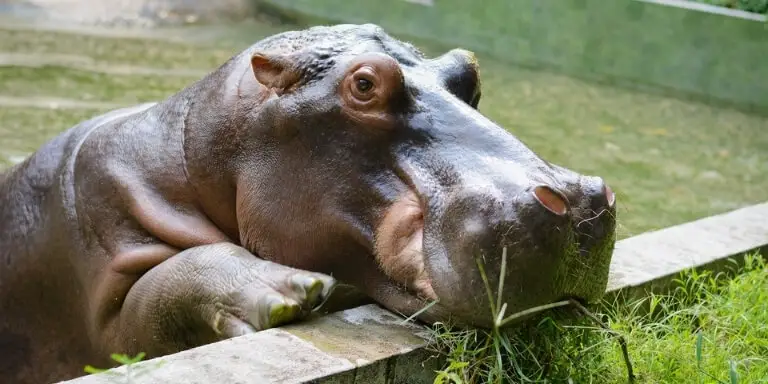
[(669, 160), (119, 51), (756, 6), (88, 86), (709, 329), (23, 130)]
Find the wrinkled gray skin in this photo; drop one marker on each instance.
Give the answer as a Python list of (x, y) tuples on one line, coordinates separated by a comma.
[(336, 150)]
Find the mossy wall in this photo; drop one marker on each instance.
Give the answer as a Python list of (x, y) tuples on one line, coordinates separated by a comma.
[(667, 47)]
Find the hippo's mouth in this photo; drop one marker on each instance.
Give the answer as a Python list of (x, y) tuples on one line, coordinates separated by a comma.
[(551, 260), (400, 246)]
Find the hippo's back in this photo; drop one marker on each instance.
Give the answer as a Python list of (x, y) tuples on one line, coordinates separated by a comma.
[(36, 278), (27, 189)]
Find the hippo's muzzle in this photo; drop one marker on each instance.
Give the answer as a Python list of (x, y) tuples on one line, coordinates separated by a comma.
[(475, 190), (558, 243)]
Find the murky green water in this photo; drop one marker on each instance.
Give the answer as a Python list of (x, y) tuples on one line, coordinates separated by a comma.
[(669, 160)]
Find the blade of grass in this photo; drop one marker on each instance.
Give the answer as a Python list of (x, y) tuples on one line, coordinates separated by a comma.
[(502, 274), (487, 286), (734, 374), (500, 315), (419, 312), (699, 341), (622, 340), (533, 310)]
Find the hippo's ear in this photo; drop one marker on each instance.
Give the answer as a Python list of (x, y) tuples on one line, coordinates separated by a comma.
[(459, 71), (274, 71)]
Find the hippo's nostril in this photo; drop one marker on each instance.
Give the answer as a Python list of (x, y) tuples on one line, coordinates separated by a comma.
[(609, 195), (551, 200)]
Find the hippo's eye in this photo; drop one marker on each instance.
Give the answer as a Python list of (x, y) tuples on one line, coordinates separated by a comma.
[(363, 85), (372, 82)]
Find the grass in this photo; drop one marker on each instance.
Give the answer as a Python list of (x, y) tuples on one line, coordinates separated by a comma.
[(23, 130), (88, 86), (709, 329), (669, 160), (756, 6), (132, 372), (118, 51)]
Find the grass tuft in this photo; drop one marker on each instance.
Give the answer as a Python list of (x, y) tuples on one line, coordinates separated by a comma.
[(708, 329)]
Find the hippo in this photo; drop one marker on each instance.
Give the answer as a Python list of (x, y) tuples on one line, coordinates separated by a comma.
[(314, 158)]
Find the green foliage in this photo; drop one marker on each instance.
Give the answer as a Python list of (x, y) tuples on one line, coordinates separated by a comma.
[(120, 358), (451, 374), (756, 6), (709, 329), (131, 371)]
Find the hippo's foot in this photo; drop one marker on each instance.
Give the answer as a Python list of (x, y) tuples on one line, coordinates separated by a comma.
[(277, 295), (215, 292)]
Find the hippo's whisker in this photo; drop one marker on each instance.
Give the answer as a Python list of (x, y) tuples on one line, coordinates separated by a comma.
[(592, 218)]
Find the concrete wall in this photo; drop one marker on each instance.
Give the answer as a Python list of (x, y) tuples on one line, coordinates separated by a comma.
[(675, 46)]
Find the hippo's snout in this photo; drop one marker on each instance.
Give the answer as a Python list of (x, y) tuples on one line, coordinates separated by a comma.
[(599, 197), (558, 237)]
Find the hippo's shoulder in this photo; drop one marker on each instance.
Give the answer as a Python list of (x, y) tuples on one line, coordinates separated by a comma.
[(43, 180), (42, 170)]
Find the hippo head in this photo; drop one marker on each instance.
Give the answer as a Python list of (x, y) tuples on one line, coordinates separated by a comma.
[(359, 156)]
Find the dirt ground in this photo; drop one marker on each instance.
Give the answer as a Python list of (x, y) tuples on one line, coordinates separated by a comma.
[(128, 12)]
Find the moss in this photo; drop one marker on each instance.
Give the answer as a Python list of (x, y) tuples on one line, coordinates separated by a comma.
[(87, 86)]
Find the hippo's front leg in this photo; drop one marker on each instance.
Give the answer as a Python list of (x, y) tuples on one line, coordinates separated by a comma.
[(214, 292)]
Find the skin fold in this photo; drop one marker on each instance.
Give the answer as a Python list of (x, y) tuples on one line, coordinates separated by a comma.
[(331, 154)]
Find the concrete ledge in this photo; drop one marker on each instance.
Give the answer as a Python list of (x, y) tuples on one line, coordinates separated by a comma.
[(653, 258), (320, 348), (370, 345)]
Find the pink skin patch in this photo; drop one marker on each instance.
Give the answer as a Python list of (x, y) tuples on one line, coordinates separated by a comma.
[(610, 196), (399, 240)]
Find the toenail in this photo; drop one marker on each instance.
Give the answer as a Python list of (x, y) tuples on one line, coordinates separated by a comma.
[(308, 285)]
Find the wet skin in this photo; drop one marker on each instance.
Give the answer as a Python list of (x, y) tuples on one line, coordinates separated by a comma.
[(226, 208)]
